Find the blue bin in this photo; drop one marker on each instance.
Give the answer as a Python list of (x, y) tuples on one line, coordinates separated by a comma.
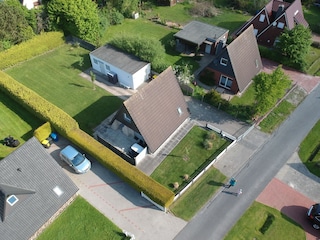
[(54, 137)]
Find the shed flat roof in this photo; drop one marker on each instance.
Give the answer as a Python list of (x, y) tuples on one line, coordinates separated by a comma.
[(125, 61)]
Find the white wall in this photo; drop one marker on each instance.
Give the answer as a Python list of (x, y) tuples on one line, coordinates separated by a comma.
[(125, 79)]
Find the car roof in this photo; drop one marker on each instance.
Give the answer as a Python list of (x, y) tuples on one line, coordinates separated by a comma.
[(69, 152)]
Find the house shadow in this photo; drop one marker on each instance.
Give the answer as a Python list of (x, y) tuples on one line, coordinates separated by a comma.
[(297, 215), (300, 167), (100, 109)]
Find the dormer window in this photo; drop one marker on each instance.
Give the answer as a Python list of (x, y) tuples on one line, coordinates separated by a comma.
[(262, 17), (12, 200), (127, 118), (223, 61)]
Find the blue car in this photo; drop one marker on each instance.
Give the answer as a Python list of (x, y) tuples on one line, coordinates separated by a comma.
[(75, 159)]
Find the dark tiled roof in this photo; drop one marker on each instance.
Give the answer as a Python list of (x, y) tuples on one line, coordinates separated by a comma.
[(30, 174), (119, 59), (245, 58), (154, 109), (197, 32)]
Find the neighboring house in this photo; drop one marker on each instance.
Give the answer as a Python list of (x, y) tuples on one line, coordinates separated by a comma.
[(153, 113), (166, 2), (271, 20), (198, 36), (30, 3), (33, 187), (237, 64), (121, 67)]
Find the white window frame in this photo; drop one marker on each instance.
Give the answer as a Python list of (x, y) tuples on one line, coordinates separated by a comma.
[(15, 198), (262, 18), (225, 85), (223, 61), (127, 118)]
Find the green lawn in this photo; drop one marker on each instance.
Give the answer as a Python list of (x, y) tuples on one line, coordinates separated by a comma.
[(313, 61), (309, 151), (82, 221), (246, 99), (312, 15), (198, 194), (260, 218), (276, 117), (55, 76), (179, 13), (15, 121), (187, 157)]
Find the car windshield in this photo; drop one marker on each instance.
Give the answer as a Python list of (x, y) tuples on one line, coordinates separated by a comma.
[(316, 209), (78, 159)]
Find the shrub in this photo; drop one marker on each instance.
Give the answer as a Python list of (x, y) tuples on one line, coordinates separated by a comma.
[(267, 223), (185, 177), (31, 48), (207, 144), (175, 185), (210, 135), (43, 131)]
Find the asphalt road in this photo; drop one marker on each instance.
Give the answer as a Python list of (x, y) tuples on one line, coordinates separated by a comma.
[(216, 219)]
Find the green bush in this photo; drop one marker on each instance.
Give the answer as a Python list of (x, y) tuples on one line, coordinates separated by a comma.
[(31, 48), (267, 223), (43, 131)]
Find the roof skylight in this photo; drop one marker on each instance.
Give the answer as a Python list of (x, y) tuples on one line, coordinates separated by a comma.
[(58, 191), (12, 199)]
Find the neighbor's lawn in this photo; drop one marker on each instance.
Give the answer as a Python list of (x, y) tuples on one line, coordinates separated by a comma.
[(81, 221), (148, 29), (187, 157), (313, 61), (309, 151), (179, 13), (15, 121), (312, 15), (250, 224), (55, 76), (198, 194)]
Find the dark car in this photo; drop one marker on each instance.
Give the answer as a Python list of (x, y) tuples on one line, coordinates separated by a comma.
[(314, 215)]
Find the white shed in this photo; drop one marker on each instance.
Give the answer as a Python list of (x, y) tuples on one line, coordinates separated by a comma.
[(120, 67)]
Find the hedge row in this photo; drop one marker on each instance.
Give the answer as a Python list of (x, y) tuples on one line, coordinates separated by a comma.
[(37, 105), (31, 48), (130, 174), (69, 128)]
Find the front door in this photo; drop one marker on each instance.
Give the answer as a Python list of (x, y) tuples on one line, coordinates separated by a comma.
[(208, 48), (102, 69)]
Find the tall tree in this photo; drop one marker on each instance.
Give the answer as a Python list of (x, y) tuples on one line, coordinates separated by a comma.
[(14, 27), (294, 45), (269, 88), (77, 17)]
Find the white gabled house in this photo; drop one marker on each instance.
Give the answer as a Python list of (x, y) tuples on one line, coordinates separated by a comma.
[(119, 67)]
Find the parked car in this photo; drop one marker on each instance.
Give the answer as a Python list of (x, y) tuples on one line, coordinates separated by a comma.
[(75, 159), (314, 215)]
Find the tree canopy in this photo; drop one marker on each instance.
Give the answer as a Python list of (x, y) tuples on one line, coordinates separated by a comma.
[(77, 17), (269, 89), (14, 27), (294, 45), (147, 49)]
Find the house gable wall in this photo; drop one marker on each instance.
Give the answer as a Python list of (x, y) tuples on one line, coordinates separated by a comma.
[(269, 35)]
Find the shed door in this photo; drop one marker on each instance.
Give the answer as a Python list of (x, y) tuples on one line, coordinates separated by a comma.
[(102, 69), (208, 48)]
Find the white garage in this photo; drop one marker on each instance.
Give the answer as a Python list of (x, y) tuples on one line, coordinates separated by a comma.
[(120, 67)]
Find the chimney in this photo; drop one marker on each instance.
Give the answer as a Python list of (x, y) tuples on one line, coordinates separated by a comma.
[(279, 11)]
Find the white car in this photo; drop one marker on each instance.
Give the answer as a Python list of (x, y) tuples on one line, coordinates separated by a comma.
[(75, 159)]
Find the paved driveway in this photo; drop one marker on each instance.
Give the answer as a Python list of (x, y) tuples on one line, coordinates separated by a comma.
[(120, 202)]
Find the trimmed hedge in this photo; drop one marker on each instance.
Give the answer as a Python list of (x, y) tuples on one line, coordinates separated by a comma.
[(37, 105), (130, 174), (69, 128), (31, 48), (43, 131)]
